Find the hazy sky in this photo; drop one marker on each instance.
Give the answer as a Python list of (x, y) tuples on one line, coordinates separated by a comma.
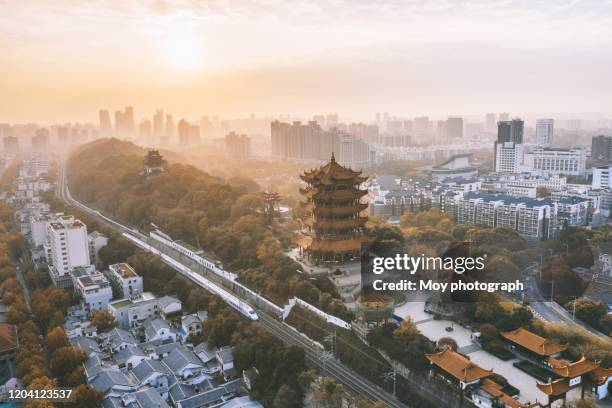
[(62, 60)]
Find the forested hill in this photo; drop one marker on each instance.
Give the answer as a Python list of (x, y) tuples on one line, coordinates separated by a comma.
[(199, 208)]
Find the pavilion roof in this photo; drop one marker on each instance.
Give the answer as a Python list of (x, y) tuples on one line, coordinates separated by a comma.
[(458, 365), (533, 342)]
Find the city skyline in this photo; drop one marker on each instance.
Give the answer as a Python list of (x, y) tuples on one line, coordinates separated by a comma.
[(443, 58)]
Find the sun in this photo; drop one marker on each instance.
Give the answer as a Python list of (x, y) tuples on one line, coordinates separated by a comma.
[(183, 49)]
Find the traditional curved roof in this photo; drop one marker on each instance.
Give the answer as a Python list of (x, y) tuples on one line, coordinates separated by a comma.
[(347, 194), (557, 387), (601, 374), (343, 210), (533, 342), (496, 391), (570, 370), (336, 224), (331, 173), (458, 365)]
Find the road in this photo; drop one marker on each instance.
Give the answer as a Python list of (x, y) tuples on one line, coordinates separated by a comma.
[(332, 367), (547, 310)]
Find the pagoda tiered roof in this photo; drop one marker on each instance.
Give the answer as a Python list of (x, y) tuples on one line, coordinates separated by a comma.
[(346, 194), (336, 224), (458, 365), (330, 210), (333, 173)]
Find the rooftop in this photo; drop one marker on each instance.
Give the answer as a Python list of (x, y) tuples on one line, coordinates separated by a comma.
[(533, 342), (458, 365)]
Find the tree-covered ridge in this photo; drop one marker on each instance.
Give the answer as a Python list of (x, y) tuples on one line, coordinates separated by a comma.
[(226, 220)]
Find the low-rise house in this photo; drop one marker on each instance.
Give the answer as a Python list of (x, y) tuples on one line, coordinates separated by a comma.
[(225, 357), (209, 358), (126, 282), (193, 324), (147, 398), (86, 343), (118, 339), (160, 351), (242, 402), (92, 288), (209, 397), (183, 362), (154, 374), (113, 383), (134, 311), (129, 357), (158, 330)]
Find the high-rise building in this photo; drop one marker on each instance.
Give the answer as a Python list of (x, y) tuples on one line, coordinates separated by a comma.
[(238, 146), (454, 128), (544, 132), (367, 133), (106, 127), (188, 134), (508, 149), (331, 120), (158, 124), (510, 131), (145, 131), (504, 116), (170, 127), (67, 247), (40, 140), (602, 178), (320, 119), (309, 142), (63, 134), (422, 127), (601, 148), (11, 145), (490, 122), (124, 123)]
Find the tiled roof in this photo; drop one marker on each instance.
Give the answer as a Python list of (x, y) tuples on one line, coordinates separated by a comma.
[(8, 338), (533, 342), (570, 370), (179, 358), (557, 387), (495, 390), (148, 367), (458, 365)]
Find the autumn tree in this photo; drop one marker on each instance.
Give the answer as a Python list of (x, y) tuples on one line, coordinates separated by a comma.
[(103, 320)]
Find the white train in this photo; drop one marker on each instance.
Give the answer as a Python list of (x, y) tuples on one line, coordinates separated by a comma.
[(236, 303), (215, 267)]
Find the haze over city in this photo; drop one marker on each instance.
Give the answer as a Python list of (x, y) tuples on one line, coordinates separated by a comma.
[(62, 61)]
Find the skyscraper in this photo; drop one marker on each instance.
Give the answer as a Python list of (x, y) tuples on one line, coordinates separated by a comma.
[(106, 127), (510, 131), (509, 146), (169, 127), (544, 132), (504, 116), (238, 146), (158, 124), (454, 128), (145, 132), (490, 122), (601, 148)]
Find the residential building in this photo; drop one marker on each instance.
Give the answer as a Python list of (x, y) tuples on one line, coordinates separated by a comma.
[(536, 219), (602, 177), (132, 312), (125, 281), (67, 247), (96, 241), (92, 288), (601, 148), (238, 146), (544, 132)]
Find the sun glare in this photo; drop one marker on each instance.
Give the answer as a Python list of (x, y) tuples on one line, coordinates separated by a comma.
[(183, 50)]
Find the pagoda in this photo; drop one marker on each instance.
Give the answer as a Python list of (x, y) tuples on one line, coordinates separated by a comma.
[(332, 227), (154, 162)]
